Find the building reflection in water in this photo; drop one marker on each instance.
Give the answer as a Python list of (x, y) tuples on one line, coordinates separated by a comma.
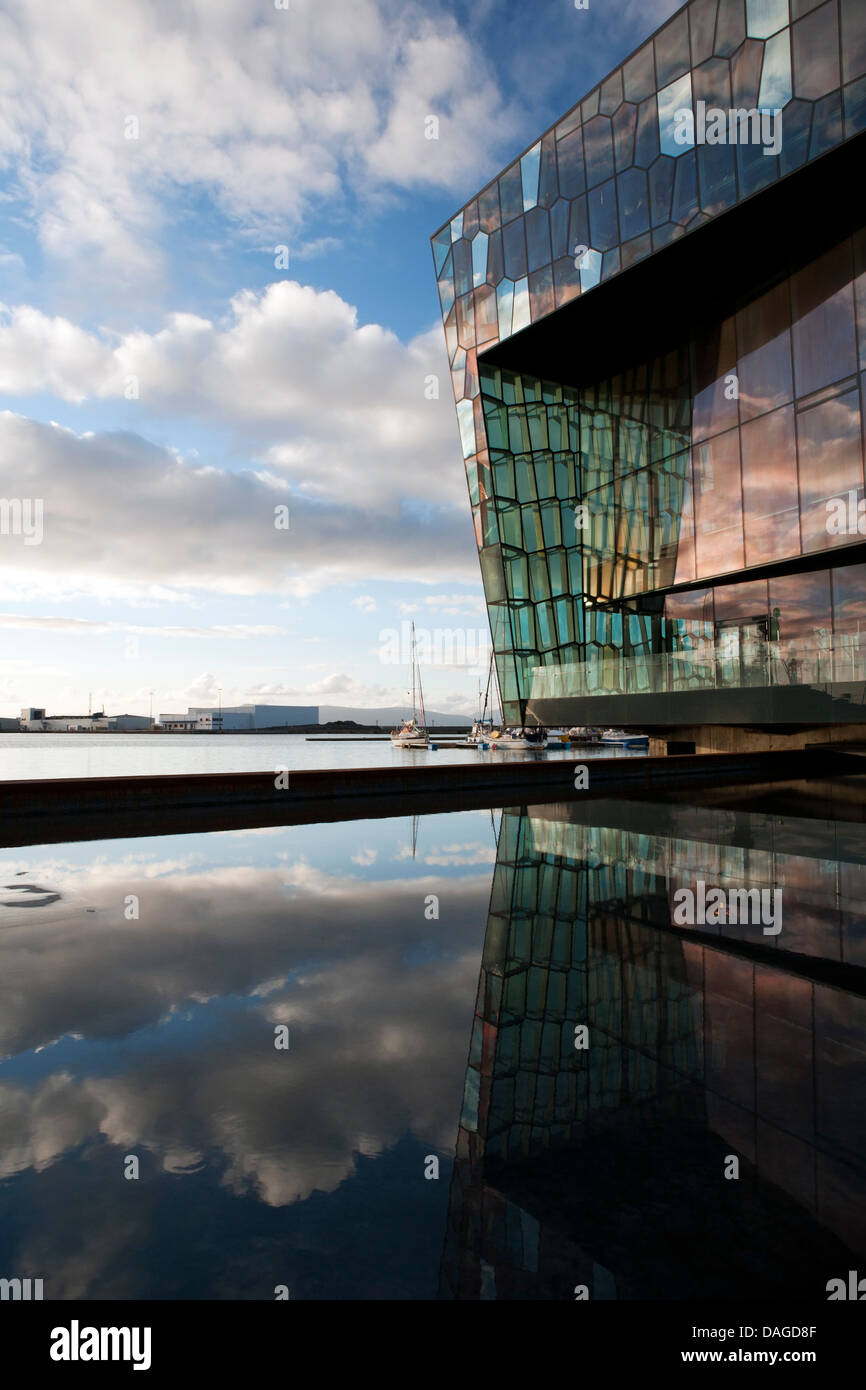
[(604, 1168)]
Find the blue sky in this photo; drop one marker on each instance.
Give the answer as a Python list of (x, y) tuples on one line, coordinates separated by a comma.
[(166, 383)]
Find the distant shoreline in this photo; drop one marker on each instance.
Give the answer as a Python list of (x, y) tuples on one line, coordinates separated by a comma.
[(338, 727)]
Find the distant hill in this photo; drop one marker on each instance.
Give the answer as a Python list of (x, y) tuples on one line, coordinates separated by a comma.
[(388, 716)]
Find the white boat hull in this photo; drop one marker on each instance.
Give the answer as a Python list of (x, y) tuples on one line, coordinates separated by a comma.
[(517, 743)]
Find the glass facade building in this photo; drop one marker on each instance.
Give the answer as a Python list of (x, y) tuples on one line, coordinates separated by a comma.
[(590, 1163), (656, 328)]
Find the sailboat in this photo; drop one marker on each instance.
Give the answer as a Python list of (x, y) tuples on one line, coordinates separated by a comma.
[(482, 727), (412, 733)]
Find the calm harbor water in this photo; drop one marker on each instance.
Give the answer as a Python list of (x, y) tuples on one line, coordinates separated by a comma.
[(433, 976), (140, 755)]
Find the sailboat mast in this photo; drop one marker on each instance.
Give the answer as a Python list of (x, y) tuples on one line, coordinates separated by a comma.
[(421, 700), (487, 691), (413, 669)]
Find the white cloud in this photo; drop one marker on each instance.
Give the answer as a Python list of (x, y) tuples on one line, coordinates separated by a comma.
[(93, 627), (372, 474), (271, 114)]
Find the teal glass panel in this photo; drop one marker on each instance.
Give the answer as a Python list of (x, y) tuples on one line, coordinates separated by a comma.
[(503, 473), (533, 538), (537, 423), (511, 527), (496, 424), (558, 571), (518, 436), (517, 574), (524, 476), (546, 631), (544, 475)]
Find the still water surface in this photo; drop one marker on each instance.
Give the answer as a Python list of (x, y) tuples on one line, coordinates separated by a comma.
[(432, 997), (139, 755)]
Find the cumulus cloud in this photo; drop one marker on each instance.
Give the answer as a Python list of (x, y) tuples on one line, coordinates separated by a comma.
[(367, 1025), (370, 470), (115, 111)]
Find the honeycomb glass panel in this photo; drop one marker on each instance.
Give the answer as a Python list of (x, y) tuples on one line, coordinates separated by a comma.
[(816, 53), (764, 17)]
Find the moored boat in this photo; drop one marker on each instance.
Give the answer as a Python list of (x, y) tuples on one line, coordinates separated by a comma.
[(519, 738), (412, 733), (620, 738)]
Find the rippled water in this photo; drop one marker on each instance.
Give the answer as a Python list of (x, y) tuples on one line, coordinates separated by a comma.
[(432, 997)]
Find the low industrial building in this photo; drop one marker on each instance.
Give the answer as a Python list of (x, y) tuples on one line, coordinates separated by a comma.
[(34, 719), (239, 718)]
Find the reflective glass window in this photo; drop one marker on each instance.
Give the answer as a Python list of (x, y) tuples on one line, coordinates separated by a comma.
[(826, 124), (479, 258), (511, 193), (715, 403), (633, 209), (764, 341), (569, 153), (685, 201), (672, 49), (803, 601), (716, 179), (638, 76), (598, 150), (661, 178), (530, 166), (624, 125), (770, 496), (541, 292), (822, 303), (702, 28), (647, 142), (611, 93), (859, 242), (488, 208), (764, 17), (853, 39), (830, 466), (816, 53), (712, 83), (849, 603), (775, 89), (730, 28), (548, 186), (718, 504), (676, 120), (514, 247), (538, 238), (746, 73), (602, 218), (486, 320)]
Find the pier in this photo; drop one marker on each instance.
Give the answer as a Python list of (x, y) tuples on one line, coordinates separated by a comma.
[(90, 808)]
